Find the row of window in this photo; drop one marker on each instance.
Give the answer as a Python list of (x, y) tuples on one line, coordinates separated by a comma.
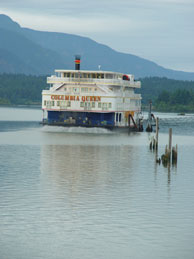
[(90, 75), (77, 89), (93, 105), (88, 89), (59, 103), (82, 104)]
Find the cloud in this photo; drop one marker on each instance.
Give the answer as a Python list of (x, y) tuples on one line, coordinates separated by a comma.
[(155, 29), (89, 7)]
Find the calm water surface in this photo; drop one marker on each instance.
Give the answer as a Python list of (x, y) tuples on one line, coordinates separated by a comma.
[(74, 193)]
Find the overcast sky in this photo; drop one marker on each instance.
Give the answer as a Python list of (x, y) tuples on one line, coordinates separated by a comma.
[(158, 30)]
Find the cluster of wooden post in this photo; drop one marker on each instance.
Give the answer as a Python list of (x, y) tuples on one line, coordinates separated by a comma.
[(170, 154)]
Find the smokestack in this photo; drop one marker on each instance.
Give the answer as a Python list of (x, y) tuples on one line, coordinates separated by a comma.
[(77, 62)]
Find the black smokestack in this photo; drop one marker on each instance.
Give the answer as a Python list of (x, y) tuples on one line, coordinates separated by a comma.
[(77, 62)]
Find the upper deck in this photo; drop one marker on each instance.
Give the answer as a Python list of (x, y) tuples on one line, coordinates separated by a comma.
[(93, 77)]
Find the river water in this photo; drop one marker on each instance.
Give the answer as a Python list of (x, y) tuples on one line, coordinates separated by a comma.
[(89, 193)]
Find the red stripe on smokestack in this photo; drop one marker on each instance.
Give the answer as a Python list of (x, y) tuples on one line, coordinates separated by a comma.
[(77, 62)]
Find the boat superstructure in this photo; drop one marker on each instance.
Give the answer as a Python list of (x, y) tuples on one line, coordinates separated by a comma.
[(92, 99)]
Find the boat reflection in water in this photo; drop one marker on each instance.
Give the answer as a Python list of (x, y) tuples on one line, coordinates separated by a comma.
[(77, 170)]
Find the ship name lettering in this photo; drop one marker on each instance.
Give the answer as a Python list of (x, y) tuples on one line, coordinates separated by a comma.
[(76, 98)]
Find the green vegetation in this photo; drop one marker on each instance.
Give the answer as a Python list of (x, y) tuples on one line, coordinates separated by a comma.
[(151, 87), (177, 101), (21, 89), (166, 94)]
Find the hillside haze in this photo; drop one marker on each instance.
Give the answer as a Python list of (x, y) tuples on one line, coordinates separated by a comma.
[(28, 51)]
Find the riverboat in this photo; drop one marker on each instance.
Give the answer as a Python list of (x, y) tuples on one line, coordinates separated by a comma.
[(80, 98)]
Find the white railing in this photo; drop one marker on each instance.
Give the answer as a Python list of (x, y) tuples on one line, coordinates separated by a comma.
[(119, 82)]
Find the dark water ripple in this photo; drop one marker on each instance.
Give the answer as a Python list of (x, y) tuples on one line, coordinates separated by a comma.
[(6, 126), (183, 125)]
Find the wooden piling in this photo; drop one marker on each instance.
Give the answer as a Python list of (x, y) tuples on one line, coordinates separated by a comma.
[(170, 142), (174, 155), (170, 154), (157, 131), (166, 157), (154, 143), (151, 145)]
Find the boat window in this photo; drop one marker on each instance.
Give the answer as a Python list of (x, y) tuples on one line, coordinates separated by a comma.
[(58, 103), (99, 105), (109, 76), (53, 103), (99, 76), (84, 89), (77, 75), (104, 106), (93, 104), (119, 117), (44, 103), (93, 75), (116, 116), (82, 104), (110, 105)]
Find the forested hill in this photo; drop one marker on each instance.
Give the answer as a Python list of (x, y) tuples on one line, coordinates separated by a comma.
[(164, 93)]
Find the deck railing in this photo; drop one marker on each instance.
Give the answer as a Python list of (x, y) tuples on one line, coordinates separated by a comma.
[(118, 82)]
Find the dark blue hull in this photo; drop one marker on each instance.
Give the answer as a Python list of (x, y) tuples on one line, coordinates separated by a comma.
[(86, 119)]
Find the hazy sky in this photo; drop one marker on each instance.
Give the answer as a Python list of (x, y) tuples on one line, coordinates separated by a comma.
[(158, 30)]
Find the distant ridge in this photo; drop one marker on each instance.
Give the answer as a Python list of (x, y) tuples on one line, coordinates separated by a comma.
[(27, 51)]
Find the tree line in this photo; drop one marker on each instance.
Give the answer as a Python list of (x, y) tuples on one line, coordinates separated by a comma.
[(167, 95), (18, 89), (180, 100)]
